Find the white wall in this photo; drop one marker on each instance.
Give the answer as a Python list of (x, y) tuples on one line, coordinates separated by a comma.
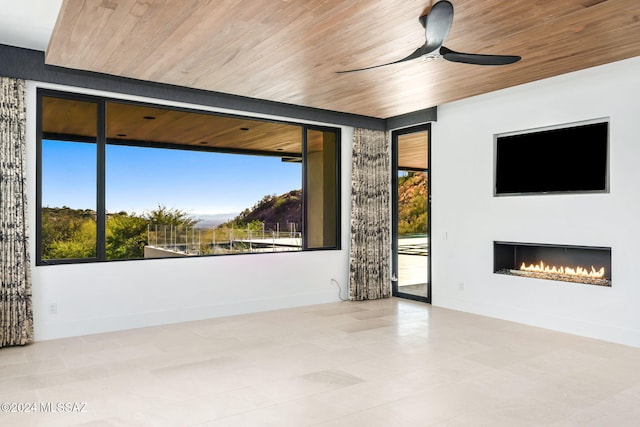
[(101, 297), (463, 206)]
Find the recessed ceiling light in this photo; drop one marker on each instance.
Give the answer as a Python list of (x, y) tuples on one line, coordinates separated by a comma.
[(280, 149), (244, 129), (149, 117), (122, 134), (204, 142)]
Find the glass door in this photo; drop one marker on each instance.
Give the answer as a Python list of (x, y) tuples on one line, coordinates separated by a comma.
[(411, 214)]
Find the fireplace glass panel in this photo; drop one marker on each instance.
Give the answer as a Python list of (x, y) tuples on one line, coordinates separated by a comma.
[(577, 264)]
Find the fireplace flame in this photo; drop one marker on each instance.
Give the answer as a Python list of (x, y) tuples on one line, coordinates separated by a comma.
[(578, 271)]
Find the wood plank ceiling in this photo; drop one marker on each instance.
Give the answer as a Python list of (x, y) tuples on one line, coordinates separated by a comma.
[(289, 51), (413, 150), (142, 125)]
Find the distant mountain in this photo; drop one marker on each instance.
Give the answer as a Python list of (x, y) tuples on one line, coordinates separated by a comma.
[(213, 220), (272, 210)]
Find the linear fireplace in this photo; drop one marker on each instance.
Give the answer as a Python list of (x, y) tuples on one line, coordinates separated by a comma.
[(578, 264)]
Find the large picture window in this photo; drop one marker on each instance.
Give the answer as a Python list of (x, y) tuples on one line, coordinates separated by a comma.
[(123, 181)]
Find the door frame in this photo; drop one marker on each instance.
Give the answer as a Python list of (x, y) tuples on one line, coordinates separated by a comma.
[(394, 211)]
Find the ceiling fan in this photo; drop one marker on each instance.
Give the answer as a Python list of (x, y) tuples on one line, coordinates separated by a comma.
[(437, 24)]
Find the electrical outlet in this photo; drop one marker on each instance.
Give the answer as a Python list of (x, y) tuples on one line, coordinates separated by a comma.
[(53, 308)]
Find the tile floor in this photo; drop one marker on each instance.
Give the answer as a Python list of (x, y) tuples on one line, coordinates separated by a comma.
[(413, 274), (384, 363)]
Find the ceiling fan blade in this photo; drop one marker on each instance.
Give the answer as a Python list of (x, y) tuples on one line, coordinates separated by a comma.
[(437, 24), (416, 54), (477, 59)]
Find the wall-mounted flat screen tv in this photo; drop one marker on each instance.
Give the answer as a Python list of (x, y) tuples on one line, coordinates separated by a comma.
[(560, 159)]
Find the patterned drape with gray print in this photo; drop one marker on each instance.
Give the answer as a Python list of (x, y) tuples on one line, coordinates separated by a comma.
[(369, 273), (16, 313)]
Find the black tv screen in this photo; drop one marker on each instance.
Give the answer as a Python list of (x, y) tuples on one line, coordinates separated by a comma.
[(556, 160)]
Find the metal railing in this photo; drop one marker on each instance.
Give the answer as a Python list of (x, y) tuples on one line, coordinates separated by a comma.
[(194, 240)]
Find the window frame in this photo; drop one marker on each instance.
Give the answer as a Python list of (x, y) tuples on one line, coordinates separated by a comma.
[(102, 142), (337, 177)]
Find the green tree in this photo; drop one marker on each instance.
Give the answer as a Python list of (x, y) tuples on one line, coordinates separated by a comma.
[(71, 233), (170, 225), (412, 203), (169, 216), (68, 233), (80, 243), (255, 225), (126, 236)]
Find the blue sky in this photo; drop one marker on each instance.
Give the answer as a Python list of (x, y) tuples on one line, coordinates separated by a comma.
[(140, 179)]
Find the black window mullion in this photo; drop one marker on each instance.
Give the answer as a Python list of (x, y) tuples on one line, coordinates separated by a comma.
[(305, 193), (101, 215), (338, 184), (39, 181)]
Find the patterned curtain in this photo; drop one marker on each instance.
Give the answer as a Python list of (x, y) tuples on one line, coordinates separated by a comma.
[(370, 216), (16, 314)]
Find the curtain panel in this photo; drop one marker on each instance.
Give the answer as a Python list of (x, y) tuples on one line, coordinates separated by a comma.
[(16, 313), (369, 275)]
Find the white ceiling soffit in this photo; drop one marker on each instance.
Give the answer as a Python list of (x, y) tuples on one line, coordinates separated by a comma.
[(28, 23)]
